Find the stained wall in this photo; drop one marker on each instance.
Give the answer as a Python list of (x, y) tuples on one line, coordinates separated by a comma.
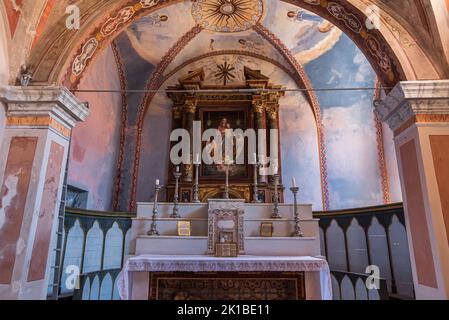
[(94, 149)]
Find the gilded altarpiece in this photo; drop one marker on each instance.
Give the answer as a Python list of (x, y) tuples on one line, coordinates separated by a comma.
[(225, 107)]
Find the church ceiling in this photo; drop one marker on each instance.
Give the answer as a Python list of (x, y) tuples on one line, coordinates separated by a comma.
[(228, 25)]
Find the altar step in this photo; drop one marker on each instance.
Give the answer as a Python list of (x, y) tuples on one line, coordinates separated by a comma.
[(257, 246), (169, 227), (200, 210)]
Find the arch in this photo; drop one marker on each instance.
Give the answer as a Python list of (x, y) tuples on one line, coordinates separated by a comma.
[(360, 290), (347, 289), (336, 251), (94, 249), (86, 290), (106, 288), (378, 247), (357, 247), (73, 253), (95, 289), (381, 47), (335, 288), (300, 77), (113, 248), (400, 257)]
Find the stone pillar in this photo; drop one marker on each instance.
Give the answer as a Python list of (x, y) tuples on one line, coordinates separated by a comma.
[(33, 159), (418, 114)]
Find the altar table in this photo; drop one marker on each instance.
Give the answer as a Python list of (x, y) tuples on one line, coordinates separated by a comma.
[(133, 281)]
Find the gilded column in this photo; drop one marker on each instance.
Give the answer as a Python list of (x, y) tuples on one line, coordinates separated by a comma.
[(259, 123), (189, 116)]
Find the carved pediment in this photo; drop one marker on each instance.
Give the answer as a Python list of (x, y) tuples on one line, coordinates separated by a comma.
[(251, 74)]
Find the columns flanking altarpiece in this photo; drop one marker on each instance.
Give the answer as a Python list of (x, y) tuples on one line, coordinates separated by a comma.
[(258, 108)]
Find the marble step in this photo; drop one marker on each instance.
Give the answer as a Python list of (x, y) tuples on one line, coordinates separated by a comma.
[(275, 246), (169, 227), (200, 211)]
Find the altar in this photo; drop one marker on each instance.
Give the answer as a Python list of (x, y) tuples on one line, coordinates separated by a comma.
[(158, 277), (279, 265)]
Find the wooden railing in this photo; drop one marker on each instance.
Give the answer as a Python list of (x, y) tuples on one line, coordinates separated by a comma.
[(93, 242), (98, 285), (351, 240), (354, 239), (353, 286)]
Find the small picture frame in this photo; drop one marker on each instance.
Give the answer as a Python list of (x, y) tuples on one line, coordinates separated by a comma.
[(266, 229), (226, 250), (184, 229)]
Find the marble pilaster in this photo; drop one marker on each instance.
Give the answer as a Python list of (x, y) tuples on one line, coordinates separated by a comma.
[(33, 160), (418, 114)]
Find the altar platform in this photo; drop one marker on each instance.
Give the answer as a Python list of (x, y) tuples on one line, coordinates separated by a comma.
[(160, 277), (166, 266)]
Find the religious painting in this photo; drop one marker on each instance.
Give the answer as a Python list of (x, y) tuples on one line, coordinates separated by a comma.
[(185, 195), (222, 120)]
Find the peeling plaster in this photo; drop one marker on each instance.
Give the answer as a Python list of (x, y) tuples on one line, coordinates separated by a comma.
[(11, 183)]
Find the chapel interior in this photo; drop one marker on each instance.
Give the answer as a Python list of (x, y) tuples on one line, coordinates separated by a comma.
[(351, 99)]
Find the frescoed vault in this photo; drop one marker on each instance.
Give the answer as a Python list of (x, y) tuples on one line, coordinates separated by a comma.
[(305, 45), (153, 53)]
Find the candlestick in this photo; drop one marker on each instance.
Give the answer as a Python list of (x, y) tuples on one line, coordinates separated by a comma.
[(153, 231), (276, 214), (297, 232), (255, 186), (226, 190), (197, 159), (196, 186), (175, 214)]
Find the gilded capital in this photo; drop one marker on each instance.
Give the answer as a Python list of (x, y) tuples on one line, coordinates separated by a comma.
[(190, 106), (272, 111), (258, 106), (177, 111)]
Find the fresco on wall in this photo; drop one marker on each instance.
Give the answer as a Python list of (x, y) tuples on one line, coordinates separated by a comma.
[(353, 172), (13, 11), (299, 144), (94, 147), (331, 60)]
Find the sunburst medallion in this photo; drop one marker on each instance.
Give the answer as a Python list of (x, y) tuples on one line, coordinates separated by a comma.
[(227, 15)]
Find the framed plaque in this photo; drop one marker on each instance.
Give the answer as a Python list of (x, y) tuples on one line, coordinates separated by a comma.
[(184, 229), (226, 250), (266, 229)]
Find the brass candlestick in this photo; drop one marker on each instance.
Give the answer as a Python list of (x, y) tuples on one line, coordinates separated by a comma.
[(175, 214), (255, 186), (297, 232), (276, 214), (226, 189), (196, 191), (153, 231)]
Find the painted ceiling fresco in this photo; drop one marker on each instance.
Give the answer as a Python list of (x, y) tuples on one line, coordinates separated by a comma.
[(232, 34)]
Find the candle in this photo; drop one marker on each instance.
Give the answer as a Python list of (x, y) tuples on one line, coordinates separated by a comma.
[(255, 158), (157, 182), (294, 182), (177, 169), (197, 158)]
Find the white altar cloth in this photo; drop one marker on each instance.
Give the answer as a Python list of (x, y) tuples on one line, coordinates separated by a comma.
[(161, 263)]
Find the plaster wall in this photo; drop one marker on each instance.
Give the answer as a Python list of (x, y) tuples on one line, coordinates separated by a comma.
[(94, 149)]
